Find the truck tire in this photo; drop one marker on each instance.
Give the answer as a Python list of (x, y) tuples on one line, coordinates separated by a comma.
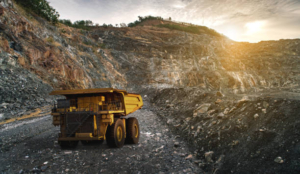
[(115, 134), (132, 131), (68, 144)]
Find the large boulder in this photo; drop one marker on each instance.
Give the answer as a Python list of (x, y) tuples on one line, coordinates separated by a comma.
[(202, 109)]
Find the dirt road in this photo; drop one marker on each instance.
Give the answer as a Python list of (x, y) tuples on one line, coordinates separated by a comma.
[(30, 146)]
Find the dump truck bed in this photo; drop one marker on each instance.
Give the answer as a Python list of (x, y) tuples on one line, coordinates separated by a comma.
[(87, 91), (130, 101)]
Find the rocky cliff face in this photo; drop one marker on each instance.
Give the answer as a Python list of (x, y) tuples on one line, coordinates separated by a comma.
[(153, 57), (142, 57), (145, 57)]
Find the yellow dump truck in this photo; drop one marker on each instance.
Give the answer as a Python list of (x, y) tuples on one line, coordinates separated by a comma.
[(90, 115)]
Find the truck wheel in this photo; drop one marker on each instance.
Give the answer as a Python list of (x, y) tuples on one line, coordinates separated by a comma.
[(68, 144), (132, 131), (115, 135)]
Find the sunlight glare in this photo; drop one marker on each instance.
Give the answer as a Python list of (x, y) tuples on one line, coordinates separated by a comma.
[(254, 27), (231, 33), (179, 6)]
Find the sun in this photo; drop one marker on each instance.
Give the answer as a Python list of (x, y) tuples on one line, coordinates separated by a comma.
[(254, 27)]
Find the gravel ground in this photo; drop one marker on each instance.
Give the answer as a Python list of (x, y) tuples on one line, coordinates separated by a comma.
[(31, 147), (254, 133)]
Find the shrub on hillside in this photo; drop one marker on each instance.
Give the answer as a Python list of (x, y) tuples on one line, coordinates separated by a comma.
[(142, 19), (41, 8), (81, 24), (66, 22)]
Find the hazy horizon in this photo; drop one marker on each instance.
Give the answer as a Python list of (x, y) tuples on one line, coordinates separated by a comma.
[(246, 20)]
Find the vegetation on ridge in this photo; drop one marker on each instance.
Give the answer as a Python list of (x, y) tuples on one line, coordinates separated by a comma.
[(77, 24), (195, 29), (85, 25), (190, 28), (142, 19), (41, 8)]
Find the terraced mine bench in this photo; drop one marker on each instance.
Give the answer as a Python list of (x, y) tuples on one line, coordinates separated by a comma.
[(90, 115)]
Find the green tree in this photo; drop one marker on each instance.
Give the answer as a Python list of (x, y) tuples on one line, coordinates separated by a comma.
[(140, 18), (82, 24), (41, 8), (66, 22), (89, 23)]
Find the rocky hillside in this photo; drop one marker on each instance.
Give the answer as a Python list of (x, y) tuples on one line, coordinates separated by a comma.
[(180, 72)]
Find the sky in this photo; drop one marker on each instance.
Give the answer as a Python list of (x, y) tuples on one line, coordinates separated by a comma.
[(240, 20)]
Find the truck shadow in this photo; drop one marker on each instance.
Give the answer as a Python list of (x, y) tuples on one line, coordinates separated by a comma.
[(43, 143), (93, 145)]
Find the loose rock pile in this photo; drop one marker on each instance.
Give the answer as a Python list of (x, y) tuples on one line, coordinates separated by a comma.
[(20, 90), (236, 134)]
